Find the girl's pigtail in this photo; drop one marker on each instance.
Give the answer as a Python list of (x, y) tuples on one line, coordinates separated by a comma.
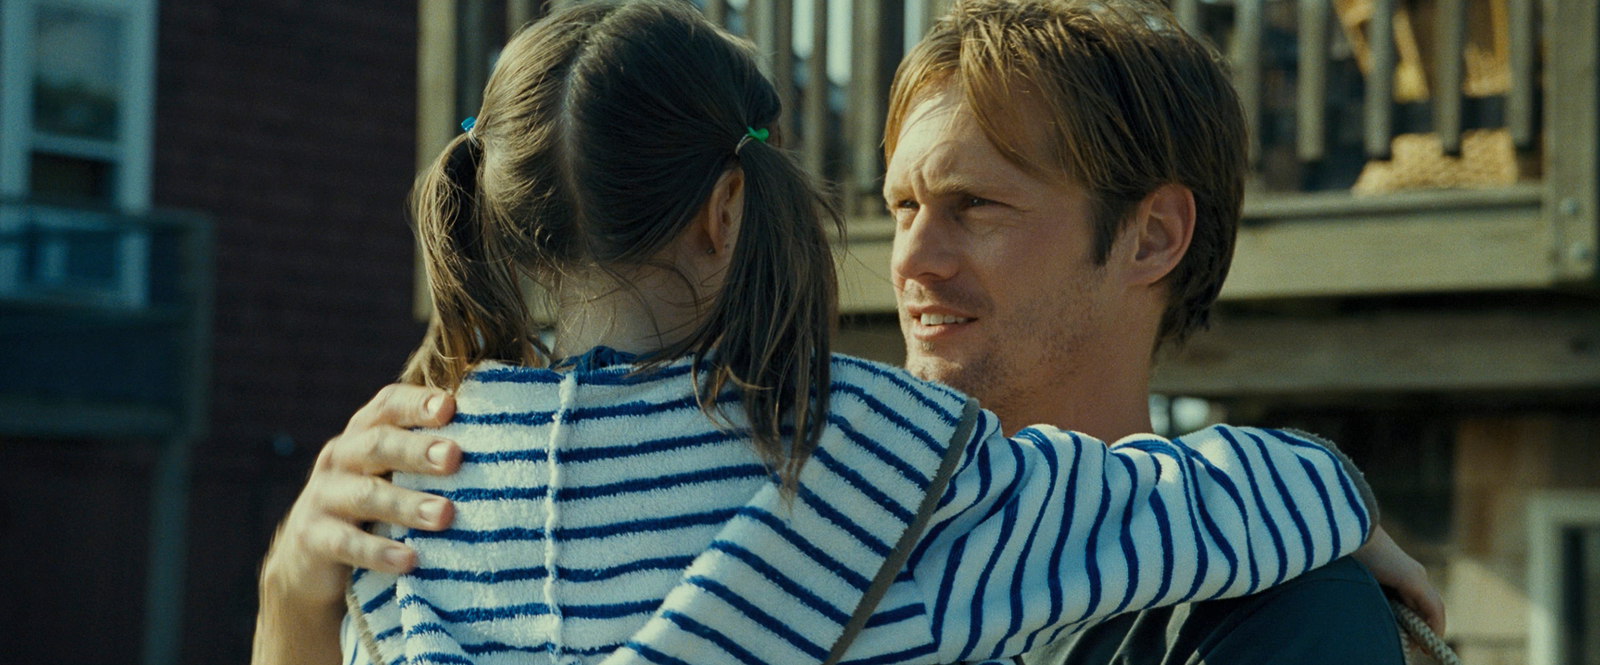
[(478, 309), (777, 310)]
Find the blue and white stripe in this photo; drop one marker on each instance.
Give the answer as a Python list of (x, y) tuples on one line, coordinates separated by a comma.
[(601, 517)]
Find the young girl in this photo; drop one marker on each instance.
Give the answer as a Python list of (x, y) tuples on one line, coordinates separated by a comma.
[(686, 475)]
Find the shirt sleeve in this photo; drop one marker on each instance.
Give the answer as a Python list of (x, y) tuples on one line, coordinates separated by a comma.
[(1048, 531)]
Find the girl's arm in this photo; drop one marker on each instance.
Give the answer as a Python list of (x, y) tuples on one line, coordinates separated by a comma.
[(1049, 531)]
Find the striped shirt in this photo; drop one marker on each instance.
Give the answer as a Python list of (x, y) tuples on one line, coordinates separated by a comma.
[(602, 517)]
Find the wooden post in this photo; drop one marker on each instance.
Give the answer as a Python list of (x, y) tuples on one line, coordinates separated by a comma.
[(815, 152), (1450, 21), (436, 108), (1312, 95), (878, 38), (1573, 135), (1188, 14), (520, 13), (717, 11), (1380, 79), (782, 33), (1519, 99), (1247, 69), (472, 55)]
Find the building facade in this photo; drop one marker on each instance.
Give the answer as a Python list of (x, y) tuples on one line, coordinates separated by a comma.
[(205, 268)]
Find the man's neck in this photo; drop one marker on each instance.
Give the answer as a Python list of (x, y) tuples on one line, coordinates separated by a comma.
[(1107, 407)]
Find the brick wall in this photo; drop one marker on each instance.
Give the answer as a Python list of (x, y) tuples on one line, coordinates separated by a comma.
[(291, 123)]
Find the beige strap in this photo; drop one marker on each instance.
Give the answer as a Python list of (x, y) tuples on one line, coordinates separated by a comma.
[(1416, 632), (913, 533), (353, 606)]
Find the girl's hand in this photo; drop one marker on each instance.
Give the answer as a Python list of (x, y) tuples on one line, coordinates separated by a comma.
[(1407, 578)]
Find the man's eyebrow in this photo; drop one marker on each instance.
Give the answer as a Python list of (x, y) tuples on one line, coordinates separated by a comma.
[(957, 185)]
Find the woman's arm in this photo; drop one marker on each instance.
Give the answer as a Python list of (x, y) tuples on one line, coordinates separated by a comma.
[(304, 575)]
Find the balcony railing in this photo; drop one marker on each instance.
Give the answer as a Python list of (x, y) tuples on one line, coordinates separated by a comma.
[(1397, 146), (104, 319)]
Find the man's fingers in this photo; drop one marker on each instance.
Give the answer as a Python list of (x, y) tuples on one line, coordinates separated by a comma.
[(399, 405), (344, 542), (386, 449), (372, 499)]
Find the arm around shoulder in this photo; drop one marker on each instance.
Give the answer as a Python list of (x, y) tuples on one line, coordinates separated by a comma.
[(1063, 530)]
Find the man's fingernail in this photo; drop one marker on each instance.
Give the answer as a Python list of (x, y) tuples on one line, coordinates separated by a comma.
[(397, 557), (431, 510), (434, 404), (438, 453)]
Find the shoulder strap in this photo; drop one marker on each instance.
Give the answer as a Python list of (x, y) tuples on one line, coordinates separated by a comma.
[(913, 533)]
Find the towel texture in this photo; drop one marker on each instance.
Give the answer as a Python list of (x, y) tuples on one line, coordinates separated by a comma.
[(601, 517)]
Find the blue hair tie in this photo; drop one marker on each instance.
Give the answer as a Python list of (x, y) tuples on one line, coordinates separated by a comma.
[(466, 125)]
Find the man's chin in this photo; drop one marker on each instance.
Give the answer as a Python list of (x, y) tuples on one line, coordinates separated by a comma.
[(943, 370)]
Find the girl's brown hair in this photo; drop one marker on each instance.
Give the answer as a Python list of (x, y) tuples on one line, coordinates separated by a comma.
[(603, 131)]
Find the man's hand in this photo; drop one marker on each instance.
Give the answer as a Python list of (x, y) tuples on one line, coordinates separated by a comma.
[(1396, 570), (308, 565)]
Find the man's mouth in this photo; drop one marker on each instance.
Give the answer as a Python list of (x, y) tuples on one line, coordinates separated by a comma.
[(941, 319)]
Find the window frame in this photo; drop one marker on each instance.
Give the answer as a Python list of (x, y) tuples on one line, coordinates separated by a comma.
[(132, 151), (1549, 514)]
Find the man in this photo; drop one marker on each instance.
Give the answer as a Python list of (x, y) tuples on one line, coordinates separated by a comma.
[(1066, 182)]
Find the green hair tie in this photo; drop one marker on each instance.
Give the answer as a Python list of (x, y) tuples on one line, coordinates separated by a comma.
[(751, 133)]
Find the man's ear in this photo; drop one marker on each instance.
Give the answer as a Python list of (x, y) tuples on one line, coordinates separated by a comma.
[(723, 212), (1161, 229)]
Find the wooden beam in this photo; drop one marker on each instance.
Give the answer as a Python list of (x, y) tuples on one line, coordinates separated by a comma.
[(1328, 245), (1388, 352), (863, 265)]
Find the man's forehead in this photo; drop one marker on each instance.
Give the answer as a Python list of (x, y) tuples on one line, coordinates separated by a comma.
[(942, 150), (1018, 131)]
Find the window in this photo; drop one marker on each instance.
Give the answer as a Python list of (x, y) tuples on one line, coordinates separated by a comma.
[(77, 80), (1564, 578)]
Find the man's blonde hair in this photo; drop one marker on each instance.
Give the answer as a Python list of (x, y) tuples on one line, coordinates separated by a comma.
[(1130, 103)]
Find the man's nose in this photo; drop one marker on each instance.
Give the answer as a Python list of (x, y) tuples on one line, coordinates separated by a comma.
[(926, 249)]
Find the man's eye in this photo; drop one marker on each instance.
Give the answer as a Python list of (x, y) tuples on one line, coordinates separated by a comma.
[(976, 202), (903, 205)]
